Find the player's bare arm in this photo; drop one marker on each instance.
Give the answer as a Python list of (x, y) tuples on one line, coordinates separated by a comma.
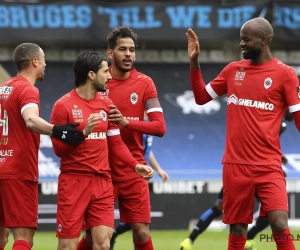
[(193, 48), (39, 125), (155, 165), (36, 123)]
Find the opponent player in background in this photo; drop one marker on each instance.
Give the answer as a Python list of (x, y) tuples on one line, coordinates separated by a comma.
[(19, 144), (85, 190), (259, 89), (132, 93)]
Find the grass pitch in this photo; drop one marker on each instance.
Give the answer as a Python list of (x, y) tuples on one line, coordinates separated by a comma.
[(162, 240)]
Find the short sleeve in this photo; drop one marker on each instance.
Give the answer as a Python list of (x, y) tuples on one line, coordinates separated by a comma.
[(291, 91), (28, 95)]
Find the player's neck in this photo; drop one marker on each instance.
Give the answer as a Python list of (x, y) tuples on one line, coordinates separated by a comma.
[(118, 74), (29, 77), (86, 92), (262, 59)]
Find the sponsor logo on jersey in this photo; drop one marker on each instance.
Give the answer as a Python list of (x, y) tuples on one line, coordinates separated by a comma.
[(249, 103), (6, 152), (96, 136), (298, 91), (134, 98), (77, 113), (239, 76), (267, 83), (6, 90), (104, 116)]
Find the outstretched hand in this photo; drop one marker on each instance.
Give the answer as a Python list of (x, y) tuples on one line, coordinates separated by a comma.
[(193, 44), (145, 171)]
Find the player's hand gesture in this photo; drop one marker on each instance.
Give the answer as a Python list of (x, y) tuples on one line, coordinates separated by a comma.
[(163, 175), (193, 44), (91, 122), (114, 115), (145, 171)]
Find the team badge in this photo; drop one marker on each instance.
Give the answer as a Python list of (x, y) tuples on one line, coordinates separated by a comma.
[(134, 98), (104, 116), (298, 91), (268, 83)]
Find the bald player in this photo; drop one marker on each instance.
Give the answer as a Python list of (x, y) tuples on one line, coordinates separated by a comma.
[(259, 90)]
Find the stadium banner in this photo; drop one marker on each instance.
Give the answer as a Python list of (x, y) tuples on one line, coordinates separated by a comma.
[(91, 21), (175, 205), (286, 21)]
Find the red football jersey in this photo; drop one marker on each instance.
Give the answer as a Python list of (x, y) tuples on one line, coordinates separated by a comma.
[(92, 155), (18, 145), (130, 96), (258, 96)]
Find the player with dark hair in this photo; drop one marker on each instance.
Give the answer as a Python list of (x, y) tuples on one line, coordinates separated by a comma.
[(85, 190), (19, 143), (133, 93), (259, 89)]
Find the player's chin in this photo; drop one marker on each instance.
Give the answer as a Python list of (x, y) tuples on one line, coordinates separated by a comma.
[(41, 77)]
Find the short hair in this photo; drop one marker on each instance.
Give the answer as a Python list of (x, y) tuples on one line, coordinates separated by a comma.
[(86, 62), (24, 53), (121, 32)]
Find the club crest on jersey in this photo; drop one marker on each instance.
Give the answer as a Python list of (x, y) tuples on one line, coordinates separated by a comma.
[(104, 116), (298, 91), (134, 98), (268, 83)]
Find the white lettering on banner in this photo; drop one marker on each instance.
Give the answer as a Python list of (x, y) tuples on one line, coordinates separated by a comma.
[(6, 152), (97, 135), (177, 187), (49, 187)]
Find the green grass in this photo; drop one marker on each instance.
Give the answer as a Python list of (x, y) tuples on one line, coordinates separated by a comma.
[(162, 240)]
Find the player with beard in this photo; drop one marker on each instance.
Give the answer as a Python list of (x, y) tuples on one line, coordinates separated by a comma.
[(132, 92), (19, 143), (85, 190), (259, 90)]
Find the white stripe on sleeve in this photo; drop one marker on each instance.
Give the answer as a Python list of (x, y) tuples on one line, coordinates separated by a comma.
[(210, 91), (294, 108), (113, 132), (28, 106), (154, 110)]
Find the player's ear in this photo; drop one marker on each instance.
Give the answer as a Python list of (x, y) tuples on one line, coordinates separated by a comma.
[(109, 54), (91, 75)]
